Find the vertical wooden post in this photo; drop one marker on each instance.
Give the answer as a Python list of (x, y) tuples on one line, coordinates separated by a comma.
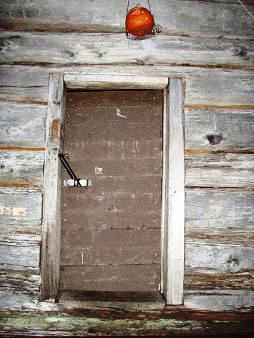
[(173, 195), (50, 253)]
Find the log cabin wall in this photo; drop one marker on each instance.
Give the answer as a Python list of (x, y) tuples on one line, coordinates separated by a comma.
[(208, 43)]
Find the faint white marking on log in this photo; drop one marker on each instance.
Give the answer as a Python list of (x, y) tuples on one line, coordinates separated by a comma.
[(82, 255), (118, 113), (13, 211)]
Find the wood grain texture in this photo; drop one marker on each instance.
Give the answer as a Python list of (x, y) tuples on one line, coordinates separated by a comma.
[(125, 193), (111, 321), (75, 48), (204, 87), (219, 170), (220, 300), (112, 219), (122, 278), (201, 279), (226, 258), (19, 251), (24, 282), (51, 225), (215, 209), (21, 168), (114, 149), (235, 127), (22, 124), (106, 82), (173, 195), (110, 247), (20, 211), (182, 17)]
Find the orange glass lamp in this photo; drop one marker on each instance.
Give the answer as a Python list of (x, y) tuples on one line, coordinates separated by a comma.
[(140, 23)]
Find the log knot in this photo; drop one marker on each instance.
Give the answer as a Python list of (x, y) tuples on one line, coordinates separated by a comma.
[(214, 139)]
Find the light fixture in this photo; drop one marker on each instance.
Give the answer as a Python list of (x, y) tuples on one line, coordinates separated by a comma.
[(139, 23)]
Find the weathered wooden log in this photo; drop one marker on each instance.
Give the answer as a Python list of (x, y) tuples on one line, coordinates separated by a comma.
[(226, 258), (215, 209), (182, 17), (219, 129), (75, 48), (19, 251), (219, 170), (22, 124), (115, 322), (204, 87), (21, 168), (20, 211)]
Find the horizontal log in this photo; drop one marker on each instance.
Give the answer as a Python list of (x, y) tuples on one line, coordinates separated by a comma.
[(222, 258), (112, 321), (219, 129), (21, 168), (235, 237), (204, 87), (22, 124), (117, 82), (219, 170), (198, 279), (20, 211), (214, 209), (110, 247), (19, 251), (198, 17), (20, 282), (11, 300), (75, 48), (125, 278), (220, 300)]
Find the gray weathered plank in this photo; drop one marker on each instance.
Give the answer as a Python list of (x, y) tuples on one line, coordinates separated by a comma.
[(201, 279), (22, 124), (213, 87), (173, 195), (213, 209), (23, 282), (235, 127), (199, 17), (219, 170), (11, 300), (19, 251), (75, 48), (222, 258), (219, 300), (21, 168), (20, 211), (51, 226)]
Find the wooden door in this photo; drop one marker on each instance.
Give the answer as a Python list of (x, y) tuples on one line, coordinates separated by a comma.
[(110, 237)]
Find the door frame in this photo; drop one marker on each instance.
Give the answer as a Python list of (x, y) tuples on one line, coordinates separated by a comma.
[(173, 196)]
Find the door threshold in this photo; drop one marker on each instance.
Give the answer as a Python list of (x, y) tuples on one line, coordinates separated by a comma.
[(135, 301)]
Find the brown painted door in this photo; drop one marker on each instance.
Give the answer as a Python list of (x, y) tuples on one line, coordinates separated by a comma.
[(111, 231)]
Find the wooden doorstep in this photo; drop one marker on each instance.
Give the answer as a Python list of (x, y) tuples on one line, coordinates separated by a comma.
[(119, 300)]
